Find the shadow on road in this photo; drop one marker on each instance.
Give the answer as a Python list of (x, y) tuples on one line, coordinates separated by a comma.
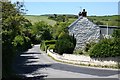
[(20, 66)]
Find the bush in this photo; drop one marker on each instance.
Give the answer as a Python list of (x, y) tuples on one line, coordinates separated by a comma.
[(51, 46), (88, 46), (64, 46), (42, 45), (105, 48), (41, 31), (79, 51), (65, 43), (47, 44)]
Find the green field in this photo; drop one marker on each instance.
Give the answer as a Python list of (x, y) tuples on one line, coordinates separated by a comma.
[(111, 20), (34, 18)]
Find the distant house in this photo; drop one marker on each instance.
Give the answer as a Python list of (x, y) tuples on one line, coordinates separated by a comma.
[(86, 31), (106, 30)]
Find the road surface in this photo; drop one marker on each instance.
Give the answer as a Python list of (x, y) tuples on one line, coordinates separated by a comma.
[(36, 63)]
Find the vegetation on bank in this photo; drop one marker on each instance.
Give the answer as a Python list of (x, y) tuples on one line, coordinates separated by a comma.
[(18, 33), (14, 37), (105, 48), (62, 42), (48, 44)]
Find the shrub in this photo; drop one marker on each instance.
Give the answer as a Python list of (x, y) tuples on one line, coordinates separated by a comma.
[(42, 46), (105, 48), (51, 46), (65, 43), (64, 46), (88, 46), (79, 51), (46, 44)]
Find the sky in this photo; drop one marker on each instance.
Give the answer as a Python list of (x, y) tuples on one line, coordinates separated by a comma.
[(92, 8)]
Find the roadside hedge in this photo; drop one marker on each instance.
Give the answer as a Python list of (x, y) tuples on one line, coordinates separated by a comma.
[(105, 48), (49, 44)]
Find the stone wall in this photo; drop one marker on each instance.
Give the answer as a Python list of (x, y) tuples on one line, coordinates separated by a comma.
[(82, 59)]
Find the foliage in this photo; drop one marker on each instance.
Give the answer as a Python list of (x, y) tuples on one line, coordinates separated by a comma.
[(13, 37), (99, 23), (89, 45), (41, 31), (58, 28), (105, 48), (79, 51), (116, 33), (49, 44), (21, 43), (65, 44), (42, 45), (111, 20), (59, 18), (18, 41)]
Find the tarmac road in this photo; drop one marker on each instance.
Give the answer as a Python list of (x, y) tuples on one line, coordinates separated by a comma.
[(34, 63)]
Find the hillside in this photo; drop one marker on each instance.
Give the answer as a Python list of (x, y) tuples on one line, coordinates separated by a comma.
[(34, 18), (111, 20)]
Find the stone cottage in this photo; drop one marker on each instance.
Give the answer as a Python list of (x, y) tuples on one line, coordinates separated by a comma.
[(86, 31)]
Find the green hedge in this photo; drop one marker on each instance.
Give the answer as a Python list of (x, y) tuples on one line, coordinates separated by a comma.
[(64, 46), (48, 43), (52, 46), (42, 45), (105, 48), (65, 43)]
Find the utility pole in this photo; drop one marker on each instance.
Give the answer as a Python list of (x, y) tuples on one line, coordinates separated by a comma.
[(107, 28), (107, 32)]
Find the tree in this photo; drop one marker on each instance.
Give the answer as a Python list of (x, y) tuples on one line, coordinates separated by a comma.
[(41, 31), (58, 28), (13, 36)]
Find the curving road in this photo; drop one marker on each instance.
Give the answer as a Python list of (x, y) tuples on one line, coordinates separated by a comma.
[(34, 63)]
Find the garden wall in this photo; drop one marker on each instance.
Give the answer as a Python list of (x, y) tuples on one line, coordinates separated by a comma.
[(84, 60)]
